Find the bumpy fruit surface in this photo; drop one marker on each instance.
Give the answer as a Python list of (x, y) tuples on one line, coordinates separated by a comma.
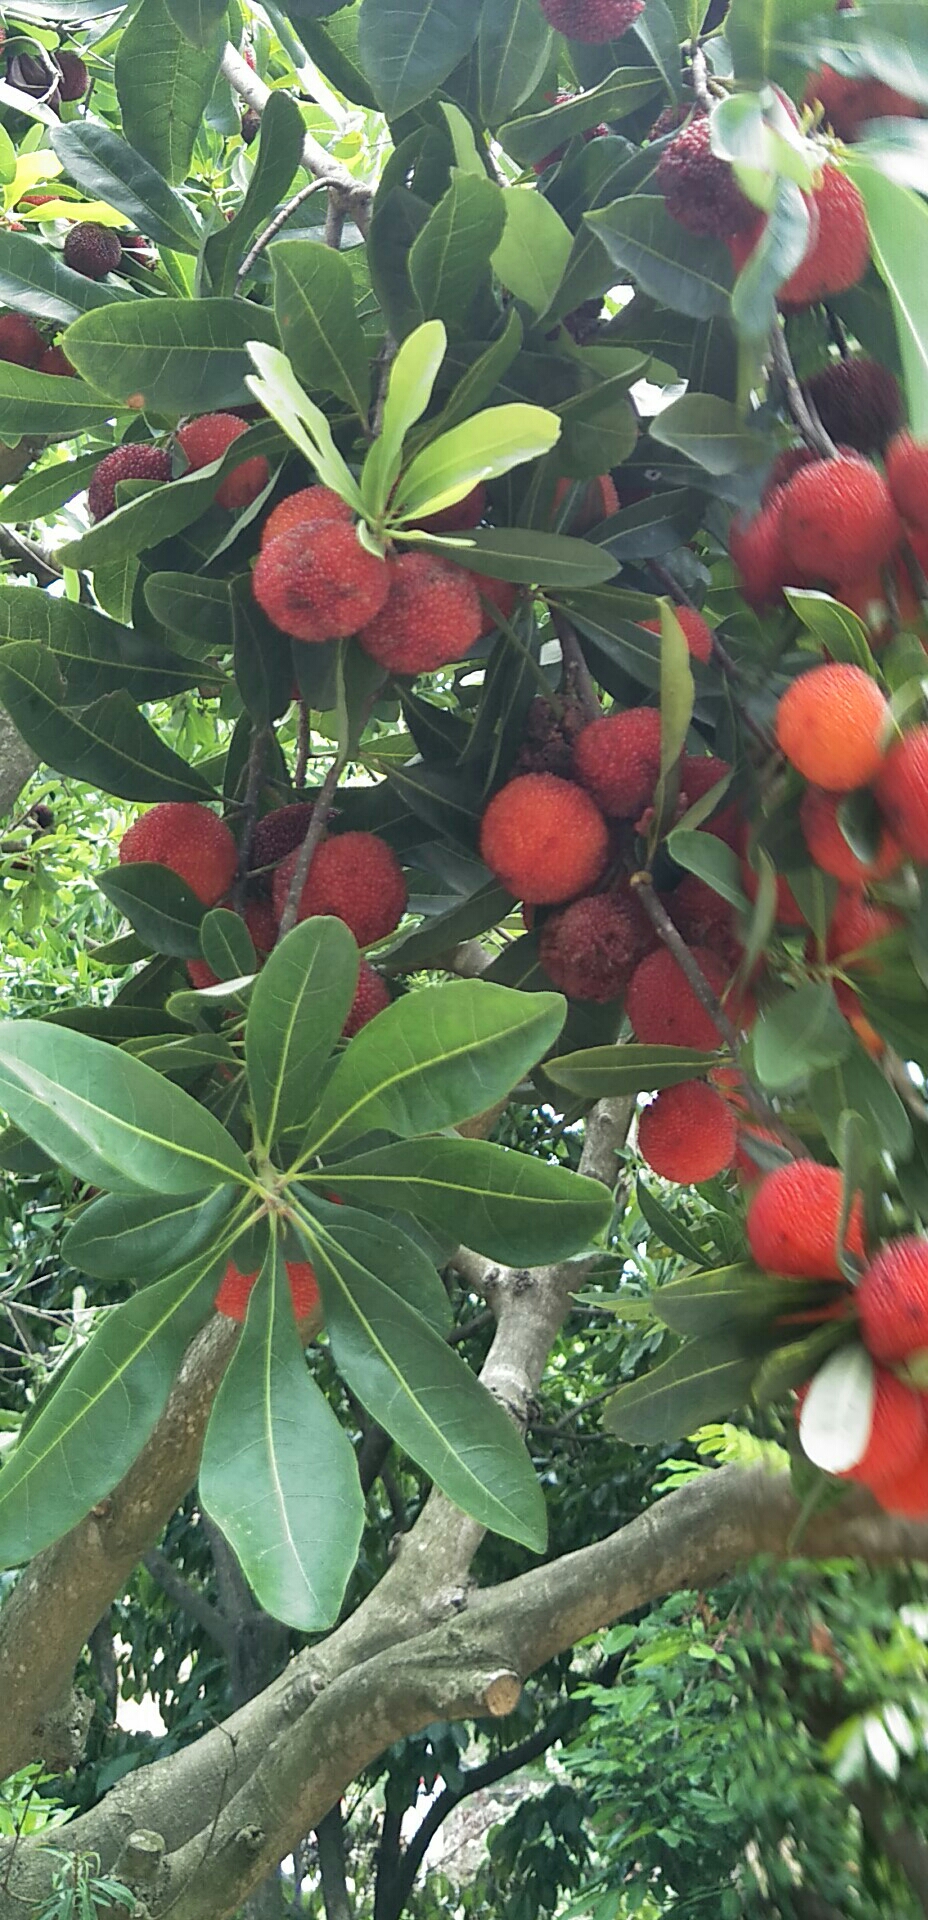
[(700, 190), (544, 839), (592, 21), (702, 916), (206, 439), (838, 519), (898, 1432), (236, 1289), (662, 1006), (92, 250), (595, 504), (590, 949), (902, 791), (372, 995), (618, 760), (892, 1300), (697, 634), (318, 583), (465, 513), (193, 842), (497, 599), (907, 474), (855, 924), (818, 817), (354, 876), (832, 724), (687, 1134), (129, 462), (431, 616), (20, 341), (310, 503), (858, 403), (759, 555), (277, 833), (906, 1493), (839, 251), (787, 462), (793, 1222)]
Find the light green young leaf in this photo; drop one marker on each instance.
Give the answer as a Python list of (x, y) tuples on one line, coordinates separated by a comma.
[(412, 378), (489, 444), (279, 392)]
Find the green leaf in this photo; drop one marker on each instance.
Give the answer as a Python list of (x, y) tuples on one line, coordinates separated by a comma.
[(46, 403), (797, 1034), (94, 655), (412, 378), (711, 432), (790, 1366), (45, 489), (280, 152), (538, 134), (483, 375), (299, 1006), (198, 20), (226, 944), (119, 1237), (164, 911), (108, 743), (602, 1073), (689, 274), (711, 860), (898, 221), (489, 444), (668, 1227), (412, 1383), (703, 1381), (92, 1426), (408, 47), (107, 1118), (762, 37), (35, 280), (434, 1058), (109, 169), (319, 328), (839, 630), (507, 1205), (857, 1084), (450, 258), (513, 48), (164, 510), (529, 558), (169, 356), (678, 692), (196, 608), (280, 394), (387, 1250), (164, 84), (295, 1533), (724, 1298), (531, 258)]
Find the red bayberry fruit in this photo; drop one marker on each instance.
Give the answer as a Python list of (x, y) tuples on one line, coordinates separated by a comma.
[(892, 1300), (592, 21), (907, 474), (839, 251), (92, 250), (598, 500), (902, 791), (898, 1432), (317, 582), (371, 997), (54, 360), (129, 462), (818, 817), (832, 723), (277, 833), (20, 341), (236, 1289), (848, 103), (311, 503), (759, 555), (700, 189), (544, 838), (618, 760), (837, 519), (589, 950), (858, 402), (431, 615), (206, 439), (75, 79), (905, 1492), (189, 839), (793, 1221), (663, 1007), (354, 876), (687, 1134), (497, 597)]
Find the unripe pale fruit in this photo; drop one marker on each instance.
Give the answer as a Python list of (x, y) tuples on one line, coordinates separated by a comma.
[(839, 251), (700, 189), (793, 1222), (206, 439), (618, 760), (129, 462), (189, 839), (589, 949), (318, 583), (687, 1133), (837, 519), (892, 1300), (311, 503), (902, 791), (544, 839), (431, 616), (92, 250), (696, 632), (236, 1288), (663, 1007), (833, 725), (818, 817), (592, 21), (372, 995), (354, 876), (20, 341)]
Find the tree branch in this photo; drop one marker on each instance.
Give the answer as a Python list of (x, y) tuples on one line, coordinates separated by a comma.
[(355, 197), (800, 406), (189, 1600)]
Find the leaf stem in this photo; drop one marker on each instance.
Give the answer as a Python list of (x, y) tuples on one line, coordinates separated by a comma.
[(800, 406)]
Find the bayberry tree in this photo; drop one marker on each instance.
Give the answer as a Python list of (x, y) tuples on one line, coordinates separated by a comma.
[(466, 498)]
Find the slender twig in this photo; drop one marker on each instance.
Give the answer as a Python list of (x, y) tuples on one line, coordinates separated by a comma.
[(186, 1597), (800, 407), (315, 159), (314, 832), (837, 331), (280, 220), (256, 758), (767, 1115), (335, 219), (577, 674), (385, 359), (302, 746), (699, 76)]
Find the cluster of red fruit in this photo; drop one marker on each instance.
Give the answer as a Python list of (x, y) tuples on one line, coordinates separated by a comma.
[(794, 1230), (201, 442), (355, 877), (592, 22)]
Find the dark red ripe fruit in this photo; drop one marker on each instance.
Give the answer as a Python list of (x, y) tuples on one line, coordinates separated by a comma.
[(858, 403), (204, 440), (354, 876), (371, 997), (544, 838), (20, 341), (892, 1300), (92, 250), (590, 948), (310, 503), (902, 791), (907, 473), (431, 616), (592, 21), (662, 1006), (317, 582), (700, 190), (906, 1493), (465, 513), (687, 1133), (793, 1221), (618, 760), (55, 360), (839, 251), (759, 554), (129, 462), (703, 917), (75, 79), (189, 839), (277, 833)]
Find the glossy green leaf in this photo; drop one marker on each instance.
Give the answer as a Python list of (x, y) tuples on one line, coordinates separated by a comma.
[(711, 860), (711, 432), (724, 1298), (409, 390), (164, 911), (164, 84), (45, 489), (319, 328), (164, 510), (513, 48), (538, 134), (689, 274), (298, 1009), (94, 655), (45, 403), (507, 1205), (120, 1237), (602, 1073), (107, 1118), (294, 1532), (449, 259), (280, 151), (703, 1381), (527, 557), (169, 356), (797, 1034), (898, 221), (857, 1084), (385, 1247), (198, 20), (489, 444), (415, 1386), (276, 387), (408, 47), (95, 1422), (226, 944), (532, 255), (439, 1056), (762, 37), (109, 169), (35, 280)]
